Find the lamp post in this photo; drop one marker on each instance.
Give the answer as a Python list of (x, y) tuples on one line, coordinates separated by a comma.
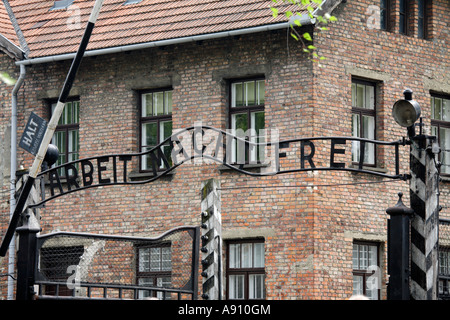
[(424, 201)]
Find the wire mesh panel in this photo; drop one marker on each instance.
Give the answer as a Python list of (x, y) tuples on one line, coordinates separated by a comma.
[(76, 265)]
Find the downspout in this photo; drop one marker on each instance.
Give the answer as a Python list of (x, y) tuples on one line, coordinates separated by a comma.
[(13, 169)]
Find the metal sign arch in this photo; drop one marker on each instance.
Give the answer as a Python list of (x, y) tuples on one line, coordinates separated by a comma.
[(208, 144)]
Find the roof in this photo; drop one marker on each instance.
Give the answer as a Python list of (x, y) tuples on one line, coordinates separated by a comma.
[(50, 32), (7, 28)]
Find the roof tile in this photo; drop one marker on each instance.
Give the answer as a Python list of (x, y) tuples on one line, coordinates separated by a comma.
[(52, 32), (6, 27)]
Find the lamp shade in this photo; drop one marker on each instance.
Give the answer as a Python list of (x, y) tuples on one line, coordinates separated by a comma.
[(51, 156), (406, 111)]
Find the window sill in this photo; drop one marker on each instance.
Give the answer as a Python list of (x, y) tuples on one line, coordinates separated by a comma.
[(367, 168), (445, 178), (140, 176), (251, 167)]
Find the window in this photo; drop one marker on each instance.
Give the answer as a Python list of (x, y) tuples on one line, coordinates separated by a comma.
[(444, 272), (154, 269), (66, 136), (384, 14), (422, 19), (156, 125), (366, 274), (245, 270), (440, 127), (363, 120), (247, 119), (404, 20)]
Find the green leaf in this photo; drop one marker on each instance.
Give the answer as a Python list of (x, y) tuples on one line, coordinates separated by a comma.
[(311, 47), (297, 22), (333, 18), (274, 12), (307, 36), (294, 36), (7, 79), (322, 58), (289, 14)]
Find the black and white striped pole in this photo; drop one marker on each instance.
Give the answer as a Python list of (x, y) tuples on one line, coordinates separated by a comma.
[(50, 128), (211, 227), (424, 201)]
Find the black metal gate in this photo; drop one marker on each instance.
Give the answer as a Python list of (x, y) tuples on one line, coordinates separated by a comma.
[(90, 266)]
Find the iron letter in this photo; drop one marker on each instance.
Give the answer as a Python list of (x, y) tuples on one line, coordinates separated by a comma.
[(87, 174), (51, 175), (308, 157), (334, 142), (101, 168), (71, 179)]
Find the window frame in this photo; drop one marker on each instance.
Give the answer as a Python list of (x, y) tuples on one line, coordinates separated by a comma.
[(422, 20), (248, 110), (364, 272), (440, 124), (444, 272), (245, 271), (66, 128), (385, 11), (156, 274), (158, 119), (405, 14), (369, 113)]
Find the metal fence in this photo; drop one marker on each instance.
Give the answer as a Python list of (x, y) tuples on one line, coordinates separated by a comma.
[(90, 266)]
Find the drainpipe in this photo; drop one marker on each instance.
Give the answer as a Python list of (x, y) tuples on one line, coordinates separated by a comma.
[(13, 169)]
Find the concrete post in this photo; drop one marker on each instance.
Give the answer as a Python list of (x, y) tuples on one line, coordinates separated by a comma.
[(424, 196), (211, 241)]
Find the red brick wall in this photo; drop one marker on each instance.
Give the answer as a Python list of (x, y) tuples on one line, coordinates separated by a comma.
[(308, 232), (396, 62)]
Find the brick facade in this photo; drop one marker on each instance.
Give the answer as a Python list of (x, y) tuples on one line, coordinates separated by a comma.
[(308, 232)]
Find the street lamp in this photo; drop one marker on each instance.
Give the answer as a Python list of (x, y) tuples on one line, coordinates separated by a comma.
[(424, 203), (406, 112)]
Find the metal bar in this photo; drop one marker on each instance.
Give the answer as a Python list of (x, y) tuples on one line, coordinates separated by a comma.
[(50, 128), (195, 265), (43, 237), (397, 160), (115, 286)]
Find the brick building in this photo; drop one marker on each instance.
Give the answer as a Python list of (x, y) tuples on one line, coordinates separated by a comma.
[(154, 67)]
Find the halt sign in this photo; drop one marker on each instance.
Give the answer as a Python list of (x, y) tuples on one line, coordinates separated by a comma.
[(33, 134)]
